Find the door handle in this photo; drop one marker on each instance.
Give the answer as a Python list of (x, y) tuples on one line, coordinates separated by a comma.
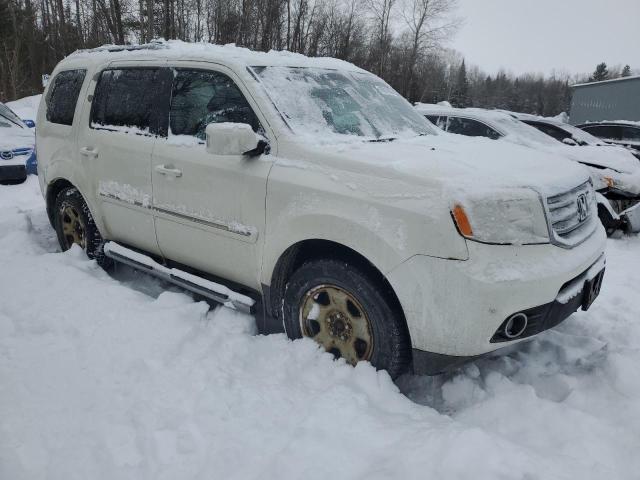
[(168, 170), (89, 152)]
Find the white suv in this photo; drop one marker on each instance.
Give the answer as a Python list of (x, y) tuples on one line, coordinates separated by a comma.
[(311, 193)]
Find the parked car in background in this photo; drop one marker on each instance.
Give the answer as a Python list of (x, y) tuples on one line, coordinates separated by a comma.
[(17, 148), (620, 132), (614, 172), (312, 188)]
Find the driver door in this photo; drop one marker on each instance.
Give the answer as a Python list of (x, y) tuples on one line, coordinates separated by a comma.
[(209, 209)]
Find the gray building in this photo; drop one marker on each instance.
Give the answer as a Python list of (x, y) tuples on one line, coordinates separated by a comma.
[(617, 99)]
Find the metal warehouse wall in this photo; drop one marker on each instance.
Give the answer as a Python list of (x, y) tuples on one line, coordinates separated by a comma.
[(609, 100)]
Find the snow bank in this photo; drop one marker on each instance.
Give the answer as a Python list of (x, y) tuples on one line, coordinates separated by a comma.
[(116, 377)]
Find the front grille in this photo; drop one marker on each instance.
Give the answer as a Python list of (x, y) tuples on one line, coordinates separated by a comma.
[(571, 215)]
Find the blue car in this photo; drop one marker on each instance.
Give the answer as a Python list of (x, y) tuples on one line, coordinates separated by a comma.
[(17, 148)]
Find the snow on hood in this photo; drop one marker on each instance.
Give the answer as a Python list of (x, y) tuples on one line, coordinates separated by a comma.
[(12, 136), (464, 164), (517, 132), (607, 156)]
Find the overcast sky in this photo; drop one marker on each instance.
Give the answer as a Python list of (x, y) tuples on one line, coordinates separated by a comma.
[(542, 35)]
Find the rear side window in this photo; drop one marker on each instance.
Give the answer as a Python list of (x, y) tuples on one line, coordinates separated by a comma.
[(608, 132), (203, 97), (133, 100), (63, 96), (631, 134)]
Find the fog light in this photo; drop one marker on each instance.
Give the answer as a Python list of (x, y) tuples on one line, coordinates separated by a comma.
[(515, 326)]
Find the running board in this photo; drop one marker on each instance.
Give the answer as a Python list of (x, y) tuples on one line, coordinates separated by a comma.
[(193, 283)]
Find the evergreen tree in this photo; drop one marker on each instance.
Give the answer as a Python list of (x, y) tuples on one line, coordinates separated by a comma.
[(626, 71), (460, 96), (601, 73)]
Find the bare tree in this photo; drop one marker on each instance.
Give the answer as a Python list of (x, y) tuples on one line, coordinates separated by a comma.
[(428, 23)]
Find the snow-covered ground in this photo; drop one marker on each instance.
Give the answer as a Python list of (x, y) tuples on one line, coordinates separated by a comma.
[(116, 377)]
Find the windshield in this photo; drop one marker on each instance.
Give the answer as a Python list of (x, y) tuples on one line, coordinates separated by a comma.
[(7, 114), (322, 102)]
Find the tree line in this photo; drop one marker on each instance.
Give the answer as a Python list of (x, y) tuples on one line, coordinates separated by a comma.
[(402, 41)]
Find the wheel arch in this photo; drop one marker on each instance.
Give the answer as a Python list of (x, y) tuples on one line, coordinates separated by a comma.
[(53, 189), (311, 249)]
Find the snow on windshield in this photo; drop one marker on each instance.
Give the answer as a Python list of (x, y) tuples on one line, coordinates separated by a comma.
[(321, 102)]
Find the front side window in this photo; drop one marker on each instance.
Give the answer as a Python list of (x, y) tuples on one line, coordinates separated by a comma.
[(132, 100), (317, 103), (63, 96), (438, 120), (202, 97), (471, 128)]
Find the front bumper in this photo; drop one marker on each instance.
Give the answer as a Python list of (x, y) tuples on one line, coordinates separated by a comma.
[(454, 308)]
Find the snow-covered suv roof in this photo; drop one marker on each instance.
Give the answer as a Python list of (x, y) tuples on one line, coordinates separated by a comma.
[(225, 54)]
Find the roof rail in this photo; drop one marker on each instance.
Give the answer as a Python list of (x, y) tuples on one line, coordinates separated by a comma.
[(153, 45)]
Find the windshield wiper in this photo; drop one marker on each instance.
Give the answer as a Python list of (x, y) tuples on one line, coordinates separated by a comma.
[(382, 139)]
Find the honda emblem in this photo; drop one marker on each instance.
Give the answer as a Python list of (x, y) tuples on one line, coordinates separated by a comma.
[(583, 207)]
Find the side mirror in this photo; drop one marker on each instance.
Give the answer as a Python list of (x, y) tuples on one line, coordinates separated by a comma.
[(234, 139), (29, 123), (570, 141)]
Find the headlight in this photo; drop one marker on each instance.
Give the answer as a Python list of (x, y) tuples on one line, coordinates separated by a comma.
[(513, 216)]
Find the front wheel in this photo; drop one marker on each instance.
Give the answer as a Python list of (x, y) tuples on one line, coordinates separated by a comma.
[(75, 226), (346, 312)]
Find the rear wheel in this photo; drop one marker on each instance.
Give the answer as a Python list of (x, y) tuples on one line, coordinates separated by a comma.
[(75, 226), (349, 314)]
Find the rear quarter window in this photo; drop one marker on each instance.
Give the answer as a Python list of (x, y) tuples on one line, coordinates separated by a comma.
[(63, 96)]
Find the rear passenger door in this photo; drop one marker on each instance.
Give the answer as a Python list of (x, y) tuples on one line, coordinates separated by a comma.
[(128, 112), (210, 209)]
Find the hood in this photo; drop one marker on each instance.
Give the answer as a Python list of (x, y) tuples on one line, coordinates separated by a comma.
[(605, 156), (12, 137), (455, 163)]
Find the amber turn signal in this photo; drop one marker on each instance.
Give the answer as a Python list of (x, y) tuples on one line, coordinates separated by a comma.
[(462, 221)]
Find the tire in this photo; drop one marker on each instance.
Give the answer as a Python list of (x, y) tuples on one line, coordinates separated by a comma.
[(346, 299), (74, 223)]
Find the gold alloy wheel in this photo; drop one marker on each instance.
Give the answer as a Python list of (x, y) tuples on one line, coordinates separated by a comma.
[(73, 227), (336, 320)]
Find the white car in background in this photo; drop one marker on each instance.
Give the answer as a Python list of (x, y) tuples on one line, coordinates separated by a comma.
[(17, 148), (614, 171)]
